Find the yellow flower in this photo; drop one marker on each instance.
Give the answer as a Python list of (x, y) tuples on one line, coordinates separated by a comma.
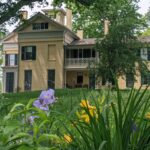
[(147, 116), (67, 138), (85, 118), (85, 104)]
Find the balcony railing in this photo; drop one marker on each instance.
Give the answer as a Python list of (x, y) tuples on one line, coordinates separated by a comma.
[(79, 62)]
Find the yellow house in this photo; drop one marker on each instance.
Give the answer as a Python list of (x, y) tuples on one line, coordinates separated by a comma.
[(44, 53)]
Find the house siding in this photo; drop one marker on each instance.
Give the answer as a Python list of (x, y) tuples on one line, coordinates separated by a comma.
[(42, 63)]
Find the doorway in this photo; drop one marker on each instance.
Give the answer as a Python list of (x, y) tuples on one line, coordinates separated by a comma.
[(9, 82)]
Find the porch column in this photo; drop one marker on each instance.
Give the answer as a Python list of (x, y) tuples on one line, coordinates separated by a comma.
[(65, 79)]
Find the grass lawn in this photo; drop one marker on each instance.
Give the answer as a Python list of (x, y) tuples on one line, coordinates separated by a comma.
[(67, 98)]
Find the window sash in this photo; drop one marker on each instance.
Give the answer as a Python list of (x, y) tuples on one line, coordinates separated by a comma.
[(145, 78), (11, 60), (40, 26), (27, 80), (28, 53)]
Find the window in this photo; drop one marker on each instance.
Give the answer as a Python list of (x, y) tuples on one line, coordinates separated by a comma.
[(145, 53), (93, 53), (51, 78), (40, 26), (145, 78), (129, 80), (28, 53), (27, 80), (9, 81), (86, 53), (11, 59)]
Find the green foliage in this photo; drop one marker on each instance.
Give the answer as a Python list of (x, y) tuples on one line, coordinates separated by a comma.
[(118, 122), (146, 33), (9, 10), (116, 125)]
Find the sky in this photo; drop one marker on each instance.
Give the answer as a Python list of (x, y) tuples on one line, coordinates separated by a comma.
[(143, 4)]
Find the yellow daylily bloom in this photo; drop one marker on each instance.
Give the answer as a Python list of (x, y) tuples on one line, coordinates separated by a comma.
[(147, 116), (85, 118), (67, 138), (84, 103)]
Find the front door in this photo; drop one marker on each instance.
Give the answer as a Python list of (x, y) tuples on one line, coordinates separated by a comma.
[(79, 79), (9, 81)]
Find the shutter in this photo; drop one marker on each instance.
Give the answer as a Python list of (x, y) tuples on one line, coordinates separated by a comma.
[(6, 59), (23, 53), (16, 59), (148, 52), (33, 52)]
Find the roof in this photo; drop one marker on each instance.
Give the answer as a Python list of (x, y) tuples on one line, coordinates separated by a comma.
[(144, 39), (29, 21), (90, 41)]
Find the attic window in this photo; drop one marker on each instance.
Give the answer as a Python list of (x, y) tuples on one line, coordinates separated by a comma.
[(40, 26)]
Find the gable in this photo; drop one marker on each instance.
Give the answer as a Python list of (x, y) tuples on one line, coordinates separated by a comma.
[(11, 38), (52, 26)]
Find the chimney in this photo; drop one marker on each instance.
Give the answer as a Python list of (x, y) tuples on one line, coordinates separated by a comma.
[(23, 15), (106, 27), (69, 18), (60, 17), (80, 34)]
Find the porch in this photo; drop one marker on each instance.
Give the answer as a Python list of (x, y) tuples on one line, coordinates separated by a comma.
[(78, 79)]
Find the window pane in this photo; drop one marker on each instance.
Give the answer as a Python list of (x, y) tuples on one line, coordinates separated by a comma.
[(148, 53), (144, 53), (28, 79), (9, 82), (28, 53), (12, 60), (129, 80), (93, 53), (86, 53), (144, 79), (51, 78)]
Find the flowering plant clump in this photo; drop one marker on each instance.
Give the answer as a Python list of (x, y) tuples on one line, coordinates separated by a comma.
[(45, 99), (67, 138), (147, 116), (87, 111)]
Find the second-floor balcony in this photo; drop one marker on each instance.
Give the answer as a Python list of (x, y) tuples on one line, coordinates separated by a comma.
[(80, 57), (79, 62)]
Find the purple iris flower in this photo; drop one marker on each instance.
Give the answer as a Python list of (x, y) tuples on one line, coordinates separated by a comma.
[(47, 96), (41, 105)]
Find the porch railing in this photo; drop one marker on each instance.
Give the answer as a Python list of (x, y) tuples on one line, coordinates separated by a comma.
[(79, 61)]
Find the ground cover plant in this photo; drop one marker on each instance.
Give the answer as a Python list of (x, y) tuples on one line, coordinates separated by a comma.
[(79, 119)]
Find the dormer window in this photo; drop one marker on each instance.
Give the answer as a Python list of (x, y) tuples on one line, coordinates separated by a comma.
[(40, 26)]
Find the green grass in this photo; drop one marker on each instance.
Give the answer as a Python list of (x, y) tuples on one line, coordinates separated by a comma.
[(68, 98)]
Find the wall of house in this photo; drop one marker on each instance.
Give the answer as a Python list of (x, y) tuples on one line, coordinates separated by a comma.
[(10, 46), (42, 63)]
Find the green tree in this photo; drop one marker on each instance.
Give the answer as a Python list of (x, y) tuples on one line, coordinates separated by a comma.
[(118, 49), (9, 9)]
